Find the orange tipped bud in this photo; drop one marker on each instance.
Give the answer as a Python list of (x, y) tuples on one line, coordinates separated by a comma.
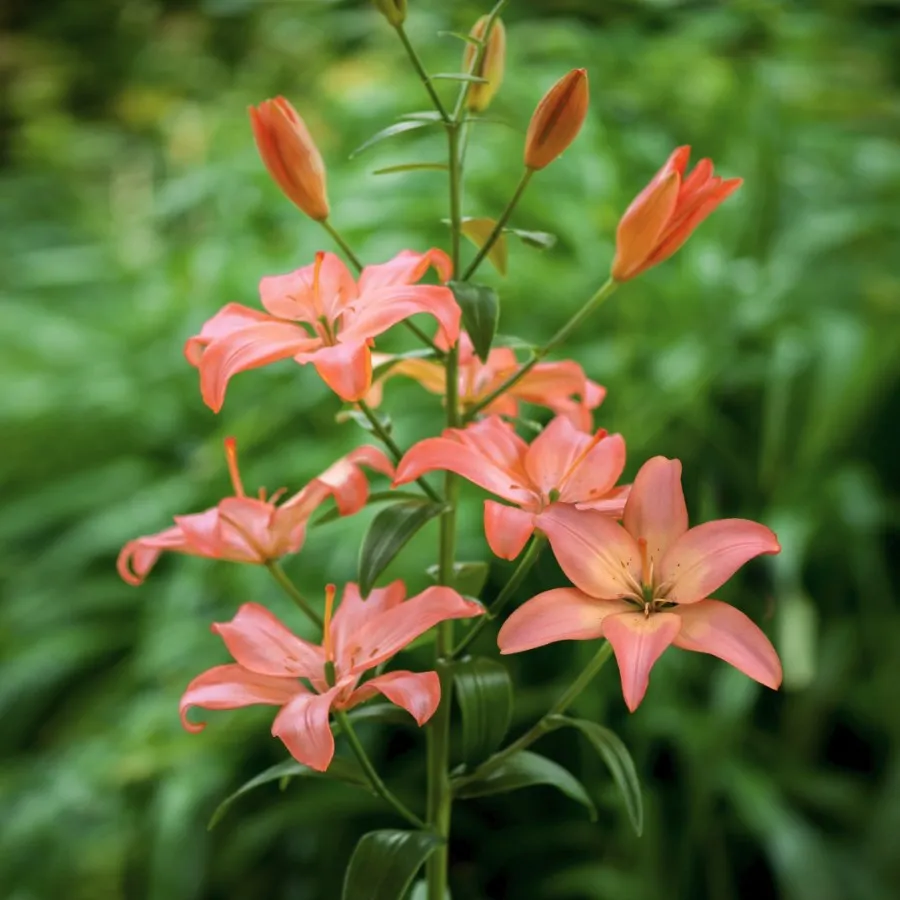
[(491, 66), (557, 119), (664, 215), (393, 10), (288, 151)]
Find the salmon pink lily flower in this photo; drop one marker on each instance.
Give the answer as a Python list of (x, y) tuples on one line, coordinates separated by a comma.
[(255, 529), (664, 215), (562, 466), (270, 661), (321, 315), (646, 585), (559, 386)]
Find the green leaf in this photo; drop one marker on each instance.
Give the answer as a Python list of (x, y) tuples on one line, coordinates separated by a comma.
[(340, 770), (468, 577), (525, 769), (481, 312), (510, 340), (390, 131), (618, 760), (374, 497), (420, 892), (380, 712), (478, 231), (360, 418), (385, 862), (411, 167), (390, 530), (543, 240), (463, 37), (485, 697), (427, 115), (459, 76)]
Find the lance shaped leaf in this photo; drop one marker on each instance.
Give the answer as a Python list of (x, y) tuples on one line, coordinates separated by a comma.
[(618, 760), (385, 862), (478, 231), (527, 769), (390, 131), (468, 577), (480, 311), (388, 533), (543, 240), (485, 696)]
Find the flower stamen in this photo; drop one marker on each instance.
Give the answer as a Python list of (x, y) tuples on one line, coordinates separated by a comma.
[(231, 457)]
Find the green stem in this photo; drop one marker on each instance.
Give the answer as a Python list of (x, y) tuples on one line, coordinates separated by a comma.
[(499, 226), (466, 86), (291, 590), (394, 448), (543, 725), (423, 76), (378, 785), (337, 237), (608, 287), (529, 558)]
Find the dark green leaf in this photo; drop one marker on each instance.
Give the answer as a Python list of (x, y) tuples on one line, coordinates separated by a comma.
[(374, 497), (459, 76), (387, 535), (525, 769), (390, 131), (385, 862), (412, 167), (618, 760), (468, 577), (340, 770), (481, 312), (485, 697), (420, 892), (543, 240)]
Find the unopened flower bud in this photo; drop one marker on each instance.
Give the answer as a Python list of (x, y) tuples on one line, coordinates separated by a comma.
[(393, 10), (288, 151), (557, 119), (491, 65)]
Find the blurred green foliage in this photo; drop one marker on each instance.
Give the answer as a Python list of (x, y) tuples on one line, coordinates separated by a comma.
[(765, 355)]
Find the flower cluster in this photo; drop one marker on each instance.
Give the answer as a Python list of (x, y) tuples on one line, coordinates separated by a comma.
[(641, 577)]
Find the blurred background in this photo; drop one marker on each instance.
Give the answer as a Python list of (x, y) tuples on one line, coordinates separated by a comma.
[(765, 355)]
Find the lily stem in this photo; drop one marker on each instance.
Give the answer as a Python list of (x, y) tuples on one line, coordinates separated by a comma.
[(499, 226), (394, 448), (292, 591), (545, 723), (378, 785), (607, 288), (529, 558), (423, 75)]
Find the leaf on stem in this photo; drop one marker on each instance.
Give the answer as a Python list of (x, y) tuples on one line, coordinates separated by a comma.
[(480, 311), (485, 696), (618, 760), (468, 577), (463, 37), (362, 420), (390, 131), (385, 862), (345, 770), (388, 533), (334, 513), (412, 167), (459, 76), (426, 115), (527, 769), (543, 240), (478, 231)]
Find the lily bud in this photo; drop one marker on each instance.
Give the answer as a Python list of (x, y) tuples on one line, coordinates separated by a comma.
[(288, 152), (393, 10), (493, 62), (664, 215), (557, 119)]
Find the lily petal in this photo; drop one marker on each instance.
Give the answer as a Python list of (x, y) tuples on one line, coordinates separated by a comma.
[(594, 476), (227, 320), (597, 554), (563, 614), (553, 453), (355, 615), (507, 528), (250, 348), (259, 641), (611, 504), (304, 728), (320, 290), (638, 642), (713, 627), (245, 532), (203, 532), (139, 556), (391, 631), (348, 483), (656, 511), (419, 693), (407, 267), (378, 310), (346, 368), (231, 687), (705, 557)]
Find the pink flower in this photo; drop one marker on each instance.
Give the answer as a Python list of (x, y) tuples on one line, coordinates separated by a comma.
[(645, 586), (253, 529), (561, 466), (270, 661), (338, 321), (560, 386)]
